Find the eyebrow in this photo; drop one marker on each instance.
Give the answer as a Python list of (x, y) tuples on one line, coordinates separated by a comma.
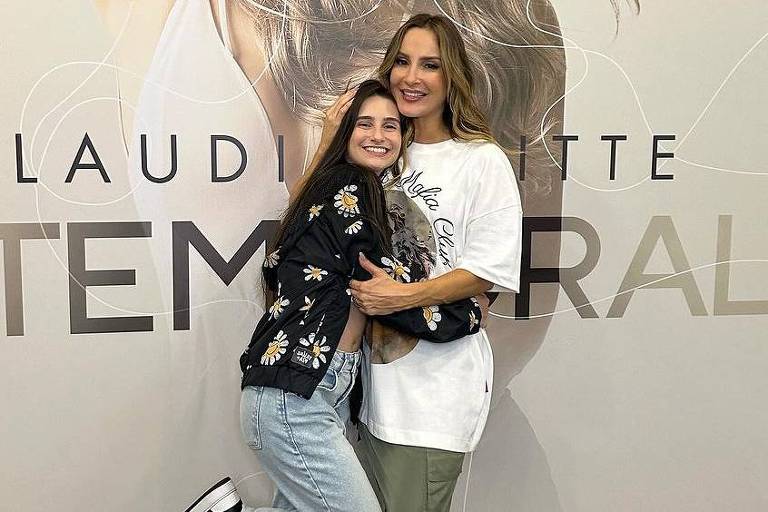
[(431, 57), (370, 118)]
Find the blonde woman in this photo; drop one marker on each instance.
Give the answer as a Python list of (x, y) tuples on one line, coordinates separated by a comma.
[(425, 409)]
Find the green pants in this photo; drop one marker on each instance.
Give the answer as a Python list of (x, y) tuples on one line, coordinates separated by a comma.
[(409, 478)]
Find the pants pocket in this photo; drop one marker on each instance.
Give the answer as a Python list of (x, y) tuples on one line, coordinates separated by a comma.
[(330, 380), (250, 407), (348, 381)]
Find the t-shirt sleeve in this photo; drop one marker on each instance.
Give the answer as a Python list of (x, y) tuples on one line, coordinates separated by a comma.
[(493, 233)]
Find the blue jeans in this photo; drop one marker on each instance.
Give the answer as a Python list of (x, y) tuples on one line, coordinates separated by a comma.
[(301, 444)]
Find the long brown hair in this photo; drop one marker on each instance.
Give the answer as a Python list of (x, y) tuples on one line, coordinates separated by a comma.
[(323, 182), (462, 115)]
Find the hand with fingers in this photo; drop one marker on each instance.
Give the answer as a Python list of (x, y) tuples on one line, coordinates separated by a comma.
[(331, 122), (334, 114), (485, 307), (380, 295)]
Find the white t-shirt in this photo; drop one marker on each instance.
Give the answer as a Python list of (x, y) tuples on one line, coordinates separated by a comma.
[(438, 395)]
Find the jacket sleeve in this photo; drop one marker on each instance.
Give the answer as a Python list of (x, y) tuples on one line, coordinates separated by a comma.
[(348, 215), (446, 322)]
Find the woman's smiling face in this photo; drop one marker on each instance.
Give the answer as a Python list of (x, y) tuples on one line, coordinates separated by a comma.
[(417, 79), (376, 139)]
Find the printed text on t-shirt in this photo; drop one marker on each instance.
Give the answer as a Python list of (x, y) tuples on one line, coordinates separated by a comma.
[(444, 231), (413, 188)]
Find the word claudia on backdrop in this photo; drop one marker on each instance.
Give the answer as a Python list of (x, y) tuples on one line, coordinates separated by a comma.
[(82, 162), (661, 231)]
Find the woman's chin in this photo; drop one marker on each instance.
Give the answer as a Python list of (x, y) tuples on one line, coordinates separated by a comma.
[(376, 166), (414, 110), (408, 110)]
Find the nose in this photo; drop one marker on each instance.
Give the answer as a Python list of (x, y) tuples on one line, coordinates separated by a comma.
[(378, 133), (412, 75)]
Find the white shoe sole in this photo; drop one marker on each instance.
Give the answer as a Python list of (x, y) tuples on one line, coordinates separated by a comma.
[(220, 498)]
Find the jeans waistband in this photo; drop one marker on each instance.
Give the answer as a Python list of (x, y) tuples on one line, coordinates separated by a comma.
[(345, 361)]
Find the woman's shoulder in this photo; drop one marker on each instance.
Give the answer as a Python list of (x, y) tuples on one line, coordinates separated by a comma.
[(485, 149), (345, 180), (488, 159), (492, 173), (345, 173), (326, 181), (343, 167)]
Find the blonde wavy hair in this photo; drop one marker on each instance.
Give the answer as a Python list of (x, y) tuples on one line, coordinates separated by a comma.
[(316, 47)]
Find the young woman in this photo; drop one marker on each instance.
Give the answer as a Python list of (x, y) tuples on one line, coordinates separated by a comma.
[(301, 363), (423, 411)]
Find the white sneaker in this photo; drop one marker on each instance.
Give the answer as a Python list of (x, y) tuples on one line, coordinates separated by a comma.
[(222, 497)]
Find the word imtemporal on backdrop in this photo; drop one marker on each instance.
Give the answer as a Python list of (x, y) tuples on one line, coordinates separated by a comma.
[(226, 265)]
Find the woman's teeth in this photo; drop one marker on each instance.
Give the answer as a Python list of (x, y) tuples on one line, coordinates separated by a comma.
[(376, 149), (412, 95)]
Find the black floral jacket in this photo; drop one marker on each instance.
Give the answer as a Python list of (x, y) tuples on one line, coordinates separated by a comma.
[(294, 341)]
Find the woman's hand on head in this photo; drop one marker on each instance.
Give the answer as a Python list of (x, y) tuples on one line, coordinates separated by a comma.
[(331, 122), (333, 116), (380, 295)]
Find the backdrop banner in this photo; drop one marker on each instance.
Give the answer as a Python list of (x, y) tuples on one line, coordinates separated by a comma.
[(148, 149)]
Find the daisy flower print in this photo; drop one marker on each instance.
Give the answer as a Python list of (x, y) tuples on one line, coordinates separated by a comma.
[(317, 347), (396, 269), (275, 349), (314, 211), (473, 321), (354, 227), (277, 307), (315, 273), (432, 316), (345, 201), (308, 303), (272, 259)]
